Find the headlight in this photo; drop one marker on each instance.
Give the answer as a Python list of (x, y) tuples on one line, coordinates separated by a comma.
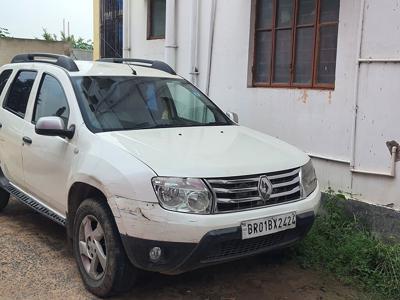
[(189, 195), (308, 179)]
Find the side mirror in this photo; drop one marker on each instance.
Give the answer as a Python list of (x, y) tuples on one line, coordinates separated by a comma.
[(233, 116), (53, 126)]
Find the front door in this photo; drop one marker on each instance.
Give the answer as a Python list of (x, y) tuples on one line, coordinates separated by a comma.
[(47, 159)]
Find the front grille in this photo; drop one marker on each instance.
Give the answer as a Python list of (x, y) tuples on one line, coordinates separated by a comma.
[(236, 248), (238, 193)]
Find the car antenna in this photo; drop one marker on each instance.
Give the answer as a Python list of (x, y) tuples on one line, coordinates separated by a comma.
[(133, 70), (120, 56)]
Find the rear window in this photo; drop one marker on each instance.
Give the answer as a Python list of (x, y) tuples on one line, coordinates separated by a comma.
[(18, 95), (3, 79)]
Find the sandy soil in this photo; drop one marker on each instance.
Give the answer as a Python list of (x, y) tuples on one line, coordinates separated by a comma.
[(36, 263)]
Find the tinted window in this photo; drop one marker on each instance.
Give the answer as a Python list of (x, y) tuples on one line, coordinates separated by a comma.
[(264, 14), (156, 20), (3, 79), (19, 92), (283, 55), (327, 54), (51, 100), (127, 103), (194, 109), (262, 56)]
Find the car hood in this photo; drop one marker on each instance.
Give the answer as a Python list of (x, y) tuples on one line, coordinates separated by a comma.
[(207, 151)]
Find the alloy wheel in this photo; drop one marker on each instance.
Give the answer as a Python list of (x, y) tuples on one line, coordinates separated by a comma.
[(92, 247)]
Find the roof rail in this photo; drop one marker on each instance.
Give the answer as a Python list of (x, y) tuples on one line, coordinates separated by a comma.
[(49, 58), (155, 64)]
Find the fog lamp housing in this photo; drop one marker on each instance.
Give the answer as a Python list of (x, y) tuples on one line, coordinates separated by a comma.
[(155, 254)]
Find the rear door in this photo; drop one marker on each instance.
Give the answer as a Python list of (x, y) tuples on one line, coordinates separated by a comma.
[(14, 99)]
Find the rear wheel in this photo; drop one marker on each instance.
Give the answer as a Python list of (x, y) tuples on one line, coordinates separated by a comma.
[(101, 259), (4, 198)]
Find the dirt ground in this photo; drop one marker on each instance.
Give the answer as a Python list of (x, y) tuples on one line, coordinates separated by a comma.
[(35, 263)]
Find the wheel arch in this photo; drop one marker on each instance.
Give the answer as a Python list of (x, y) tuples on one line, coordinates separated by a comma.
[(78, 192)]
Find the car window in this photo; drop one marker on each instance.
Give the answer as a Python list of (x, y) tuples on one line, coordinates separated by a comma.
[(18, 95), (111, 103), (195, 109), (3, 79), (51, 100)]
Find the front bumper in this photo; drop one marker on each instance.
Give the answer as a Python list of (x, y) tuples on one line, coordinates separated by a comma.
[(149, 221), (216, 246), (190, 241)]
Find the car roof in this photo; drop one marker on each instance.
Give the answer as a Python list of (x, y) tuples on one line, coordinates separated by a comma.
[(98, 68), (79, 68)]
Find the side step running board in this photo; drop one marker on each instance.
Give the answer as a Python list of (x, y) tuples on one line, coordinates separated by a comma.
[(30, 201)]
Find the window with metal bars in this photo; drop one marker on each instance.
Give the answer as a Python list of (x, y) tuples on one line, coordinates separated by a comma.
[(111, 28), (294, 43)]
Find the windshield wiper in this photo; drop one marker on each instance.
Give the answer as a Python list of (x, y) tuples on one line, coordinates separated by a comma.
[(216, 124), (147, 125), (180, 125)]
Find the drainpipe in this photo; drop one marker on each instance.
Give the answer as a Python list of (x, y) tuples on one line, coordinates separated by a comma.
[(126, 34), (356, 85), (360, 60), (210, 45), (379, 60), (194, 36), (170, 34)]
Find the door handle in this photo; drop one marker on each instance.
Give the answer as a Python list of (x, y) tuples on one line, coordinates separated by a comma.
[(27, 140), (1, 125)]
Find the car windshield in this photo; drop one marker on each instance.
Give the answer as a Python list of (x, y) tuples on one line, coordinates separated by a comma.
[(111, 103)]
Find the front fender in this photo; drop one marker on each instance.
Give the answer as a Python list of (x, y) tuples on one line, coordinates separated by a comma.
[(114, 172), (111, 169)]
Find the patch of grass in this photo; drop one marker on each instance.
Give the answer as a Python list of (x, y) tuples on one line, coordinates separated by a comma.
[(341, 245)]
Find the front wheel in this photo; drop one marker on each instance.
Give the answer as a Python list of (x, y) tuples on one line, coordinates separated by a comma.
[(101, 259), (4, 198)]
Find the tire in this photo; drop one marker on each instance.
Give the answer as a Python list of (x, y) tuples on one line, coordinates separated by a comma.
[(102, 262), (4, 198)]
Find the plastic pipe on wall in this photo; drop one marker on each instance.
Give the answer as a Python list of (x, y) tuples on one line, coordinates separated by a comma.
[(379, 60), (170, 34), (126, 22), (360, 60), (210, 45), (391, 174), (194, 36), (356, 84)]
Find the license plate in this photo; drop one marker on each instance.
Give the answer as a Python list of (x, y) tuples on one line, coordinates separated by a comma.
[(264, 226)]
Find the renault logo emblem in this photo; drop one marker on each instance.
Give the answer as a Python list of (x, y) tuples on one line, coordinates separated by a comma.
[(265, 188)]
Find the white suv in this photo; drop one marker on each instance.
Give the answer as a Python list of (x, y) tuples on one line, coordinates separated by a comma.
[(143, 169)]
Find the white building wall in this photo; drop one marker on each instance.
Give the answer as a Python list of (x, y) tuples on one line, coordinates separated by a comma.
[(318, 121), (139, 45), (379, 92)]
